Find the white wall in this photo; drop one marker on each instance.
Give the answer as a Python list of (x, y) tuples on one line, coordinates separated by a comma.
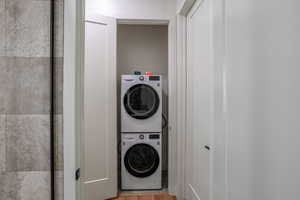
[(263, 99), (145, 48), (133, 9)]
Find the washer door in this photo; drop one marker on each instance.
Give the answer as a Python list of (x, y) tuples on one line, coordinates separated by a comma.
[(141, 101), (141, 160)]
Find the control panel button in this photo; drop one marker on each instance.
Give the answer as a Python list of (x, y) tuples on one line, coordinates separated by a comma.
[(142, 137), (141, 78)]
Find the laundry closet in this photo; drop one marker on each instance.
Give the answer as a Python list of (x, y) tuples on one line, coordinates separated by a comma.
[(142, 102), (137, 102), (126, 113)]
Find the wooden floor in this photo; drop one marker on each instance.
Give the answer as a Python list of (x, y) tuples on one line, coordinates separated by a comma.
[(146, 196)]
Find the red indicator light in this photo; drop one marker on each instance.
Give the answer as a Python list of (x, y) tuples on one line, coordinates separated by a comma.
[(149, 73)]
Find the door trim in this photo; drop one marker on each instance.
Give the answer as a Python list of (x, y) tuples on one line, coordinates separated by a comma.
[(185, 7), (197, 4), (73, 43), (174, 155), (180, 77), (173, 180), (143, 21), (219, 143)]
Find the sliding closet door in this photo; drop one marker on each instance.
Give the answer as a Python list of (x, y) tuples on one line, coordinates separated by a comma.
[(100, 126), (199, 101)]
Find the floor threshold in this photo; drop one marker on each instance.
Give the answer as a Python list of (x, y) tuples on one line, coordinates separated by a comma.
[(145, 196)]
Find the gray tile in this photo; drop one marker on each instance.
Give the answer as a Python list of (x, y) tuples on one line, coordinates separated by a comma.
[(2, 27), (2, 143), (25, 186), (2, 6), (3, 81), (10, 186), (59, 29), (27, 28), (35, 186), (58, 87), (58, 132), (27, 142), (59, 185), (24, 85)]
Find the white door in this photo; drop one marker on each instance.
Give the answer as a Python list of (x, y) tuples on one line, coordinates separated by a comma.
[(199, 101), (99, 140)]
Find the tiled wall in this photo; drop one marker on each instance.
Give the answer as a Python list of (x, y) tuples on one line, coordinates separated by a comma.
[(25, 99)]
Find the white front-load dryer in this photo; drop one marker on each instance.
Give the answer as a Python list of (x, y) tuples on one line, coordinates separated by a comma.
[(141, 103), (141, 161)]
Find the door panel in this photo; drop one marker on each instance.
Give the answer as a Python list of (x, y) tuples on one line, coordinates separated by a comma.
[(200, 101), (100, 135)]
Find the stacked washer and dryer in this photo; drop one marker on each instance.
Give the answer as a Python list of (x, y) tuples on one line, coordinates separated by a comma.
[(141, 128)]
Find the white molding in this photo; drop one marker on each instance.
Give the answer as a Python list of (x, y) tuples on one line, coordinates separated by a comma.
[(181, 105), (69, 88), (172, 89), (194, 193), (143, 21), (185, 7), (80, 51), (98, 19), (73, 14)]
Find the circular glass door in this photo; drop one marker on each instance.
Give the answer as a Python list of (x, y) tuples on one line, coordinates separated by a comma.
[(141, 101), (141, 160)]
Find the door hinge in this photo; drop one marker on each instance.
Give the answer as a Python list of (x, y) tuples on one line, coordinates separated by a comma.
[(77, 174)]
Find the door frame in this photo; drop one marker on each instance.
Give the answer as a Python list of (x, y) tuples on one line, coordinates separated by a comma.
[(181, 104), (177, 91), (173, 82), (74, 17), (74, 12), (219, 143)]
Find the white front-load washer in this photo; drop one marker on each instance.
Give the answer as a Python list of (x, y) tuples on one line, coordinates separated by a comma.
[(141, 161), (141, 103)]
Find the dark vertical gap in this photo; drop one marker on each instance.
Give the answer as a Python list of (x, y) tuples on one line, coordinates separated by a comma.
[(52, 99)]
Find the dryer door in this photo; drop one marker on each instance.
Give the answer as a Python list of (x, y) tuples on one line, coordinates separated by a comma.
[(141, 160), (141, 101)]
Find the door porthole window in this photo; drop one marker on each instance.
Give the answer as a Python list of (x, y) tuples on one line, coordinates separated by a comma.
[(141, 101), (141, 160)]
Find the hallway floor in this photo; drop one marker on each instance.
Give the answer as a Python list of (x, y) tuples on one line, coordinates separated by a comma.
[(146, 196)]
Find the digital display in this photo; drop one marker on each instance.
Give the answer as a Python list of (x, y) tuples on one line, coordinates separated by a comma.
[(154, 136), (154, 78)]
